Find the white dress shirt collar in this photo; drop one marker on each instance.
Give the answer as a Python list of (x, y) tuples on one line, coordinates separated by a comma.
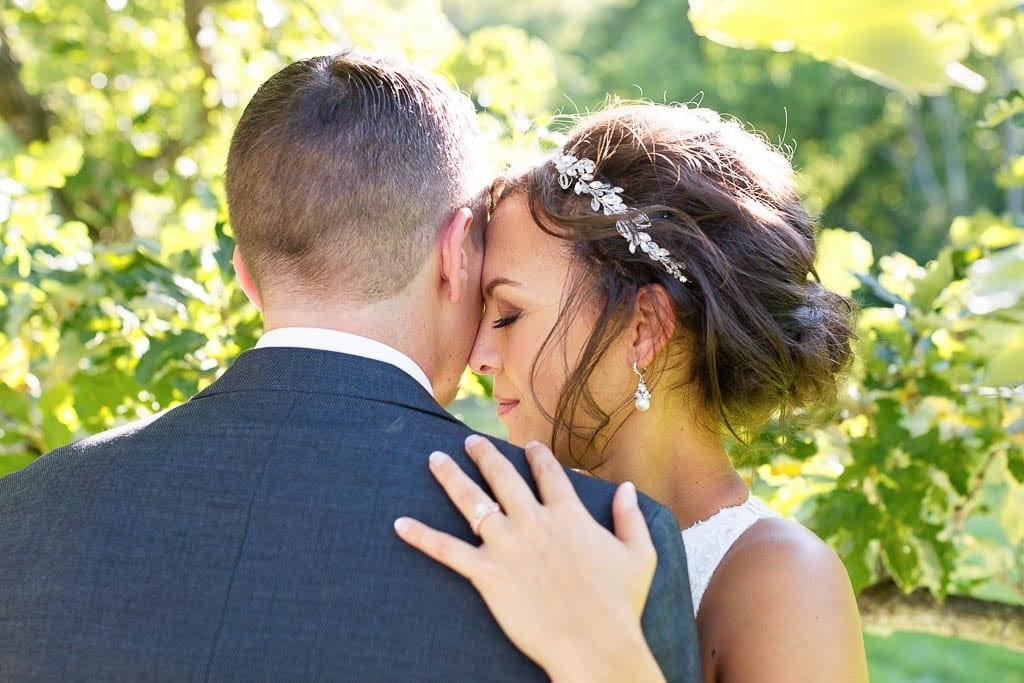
[(344, 342)]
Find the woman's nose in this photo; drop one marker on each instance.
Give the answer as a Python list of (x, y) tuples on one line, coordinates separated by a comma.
[(485, 359)]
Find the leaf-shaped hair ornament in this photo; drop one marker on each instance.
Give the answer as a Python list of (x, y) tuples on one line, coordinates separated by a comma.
[(578, 174)]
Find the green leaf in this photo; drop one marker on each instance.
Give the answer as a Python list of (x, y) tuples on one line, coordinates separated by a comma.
[(902, 560), (1012, 173), (507, 70), (49, 164), (903, 490), (486, 383), (841, 255), (1015, 463), (895, 44), (955, 460), (35, 174), (225, 251), (1006, 367), (1011, 106), (984, 229), (997, 281), (849, 522), (57, 407), (889, 429), (99, 392), (164, 352), (937, 559), (898, 273), (938, 275), (876, 288), (14, 404), (12, 462)]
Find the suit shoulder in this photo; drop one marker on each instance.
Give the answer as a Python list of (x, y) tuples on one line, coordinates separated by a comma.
[(59, 459)]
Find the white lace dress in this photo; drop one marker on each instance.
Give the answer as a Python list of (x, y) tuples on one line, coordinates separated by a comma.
[(708, 541)]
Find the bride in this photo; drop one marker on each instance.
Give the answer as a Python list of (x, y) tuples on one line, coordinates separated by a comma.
[(648, 290)]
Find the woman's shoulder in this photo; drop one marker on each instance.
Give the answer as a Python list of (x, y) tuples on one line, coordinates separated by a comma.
[(784, 563), (784, 543), (780, 579)]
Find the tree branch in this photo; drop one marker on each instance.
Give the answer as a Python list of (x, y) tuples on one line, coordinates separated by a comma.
[(1012, 143), (193, 25), (24, 113), (957, 186), (922, 164), (977, 485), (193, 13), (884, 607), (30, 121)]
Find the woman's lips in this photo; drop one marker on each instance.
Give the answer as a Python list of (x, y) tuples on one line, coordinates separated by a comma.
[(505, 405)]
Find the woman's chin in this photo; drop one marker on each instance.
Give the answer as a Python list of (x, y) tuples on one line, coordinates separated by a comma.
[(516, 435), (517, 439)]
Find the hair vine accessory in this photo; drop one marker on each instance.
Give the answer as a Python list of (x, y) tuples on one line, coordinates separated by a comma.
[(642, 396), (605, 198)]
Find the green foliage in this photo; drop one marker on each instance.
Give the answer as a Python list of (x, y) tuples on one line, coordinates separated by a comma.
[(117, 297), (96, 333), (508, 71), (929, 435), (894, 168), (916, 657), (915, 46), (1009, 108)]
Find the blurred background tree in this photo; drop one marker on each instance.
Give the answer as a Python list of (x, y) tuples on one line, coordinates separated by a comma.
[(117, 298)]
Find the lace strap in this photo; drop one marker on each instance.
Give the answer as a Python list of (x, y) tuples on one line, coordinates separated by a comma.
[(708, 541)]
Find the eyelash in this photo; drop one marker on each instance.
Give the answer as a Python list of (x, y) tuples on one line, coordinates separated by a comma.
[(504, 322)]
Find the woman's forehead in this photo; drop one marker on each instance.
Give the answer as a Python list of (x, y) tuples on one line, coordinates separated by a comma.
[(514, 242)]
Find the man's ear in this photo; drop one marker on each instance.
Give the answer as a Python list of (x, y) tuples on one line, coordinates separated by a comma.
[(456, 247), (245, 280), (654, 322)]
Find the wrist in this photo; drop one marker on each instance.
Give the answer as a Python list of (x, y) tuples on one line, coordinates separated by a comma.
[(617, 656)]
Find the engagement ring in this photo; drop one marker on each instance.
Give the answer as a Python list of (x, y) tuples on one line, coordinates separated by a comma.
[(481, 512)]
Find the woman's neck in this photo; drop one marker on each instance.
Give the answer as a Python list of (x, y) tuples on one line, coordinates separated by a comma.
[(670, 458)]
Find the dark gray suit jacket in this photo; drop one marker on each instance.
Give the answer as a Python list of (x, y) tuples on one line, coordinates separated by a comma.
[(247, 535)]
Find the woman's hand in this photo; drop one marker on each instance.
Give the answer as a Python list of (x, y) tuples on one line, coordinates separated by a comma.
[(565, 590)]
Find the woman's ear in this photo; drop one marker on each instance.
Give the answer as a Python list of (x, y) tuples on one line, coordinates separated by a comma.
[(245, 280), (654, 323)]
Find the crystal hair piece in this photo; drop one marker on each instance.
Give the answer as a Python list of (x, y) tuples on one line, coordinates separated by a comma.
[(605, 198)]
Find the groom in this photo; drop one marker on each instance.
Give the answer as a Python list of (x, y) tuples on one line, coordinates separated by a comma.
[(247, 534)]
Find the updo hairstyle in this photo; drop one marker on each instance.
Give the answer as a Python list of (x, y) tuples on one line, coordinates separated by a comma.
[(762, 336)]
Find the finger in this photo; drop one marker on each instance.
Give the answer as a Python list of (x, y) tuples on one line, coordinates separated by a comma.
[(630, 525), (454, 553), (509, 487), (552, 481), (465, 493)]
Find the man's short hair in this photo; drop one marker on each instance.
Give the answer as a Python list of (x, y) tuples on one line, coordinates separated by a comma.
[(342, 169)]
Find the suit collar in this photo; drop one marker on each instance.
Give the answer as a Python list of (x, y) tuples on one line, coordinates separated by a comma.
[(343, 342), (313, 371)]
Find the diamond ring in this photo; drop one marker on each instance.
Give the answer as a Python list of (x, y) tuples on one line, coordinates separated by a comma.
[(481, 512)]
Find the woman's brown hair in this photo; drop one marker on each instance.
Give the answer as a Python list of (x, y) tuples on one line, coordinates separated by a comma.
[(763, 336)]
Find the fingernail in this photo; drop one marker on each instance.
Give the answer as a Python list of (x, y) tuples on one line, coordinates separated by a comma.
[(473, 439), (630, 493), (401, 525), (532, 444), (436, 458)]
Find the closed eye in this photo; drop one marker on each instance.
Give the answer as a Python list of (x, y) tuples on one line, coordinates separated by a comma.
[(504, 322)]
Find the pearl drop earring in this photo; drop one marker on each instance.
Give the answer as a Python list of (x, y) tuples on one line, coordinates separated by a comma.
[(642, 396)]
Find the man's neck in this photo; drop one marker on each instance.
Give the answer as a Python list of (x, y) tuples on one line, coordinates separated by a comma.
[(383, 322)]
